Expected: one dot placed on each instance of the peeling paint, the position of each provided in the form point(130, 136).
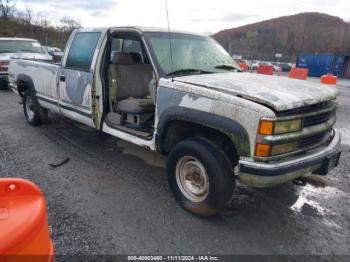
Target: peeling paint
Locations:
point(242, 111)
point(77, 87)
point(43, 75)
point(284, 94)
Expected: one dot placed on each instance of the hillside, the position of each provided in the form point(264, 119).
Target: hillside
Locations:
point(290, 35)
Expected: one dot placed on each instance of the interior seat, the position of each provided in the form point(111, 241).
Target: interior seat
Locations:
point(136, 106)
point(132, 84)
point(137, 57)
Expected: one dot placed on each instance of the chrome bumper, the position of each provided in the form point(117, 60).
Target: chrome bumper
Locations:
point(259, 174)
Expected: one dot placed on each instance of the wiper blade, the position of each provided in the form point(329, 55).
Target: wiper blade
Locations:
point(30, 51)
point(6, 51)
point(227, 67)
point(188, 71)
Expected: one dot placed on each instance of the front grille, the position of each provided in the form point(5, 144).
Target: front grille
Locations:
point(314, 120)
point(318, 119)
point(317, 129)
point(312, 140)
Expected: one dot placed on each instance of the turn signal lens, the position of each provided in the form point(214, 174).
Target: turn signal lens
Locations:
point(266, 127)
point(262, 150)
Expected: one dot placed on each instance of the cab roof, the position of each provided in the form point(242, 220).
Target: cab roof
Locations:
point(140, 29)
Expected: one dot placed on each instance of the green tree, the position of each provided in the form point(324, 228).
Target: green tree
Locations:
point(251, 37)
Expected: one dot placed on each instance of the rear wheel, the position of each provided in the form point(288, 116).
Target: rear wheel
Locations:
point(200, 175)
point(32, 109)
point(3, 85)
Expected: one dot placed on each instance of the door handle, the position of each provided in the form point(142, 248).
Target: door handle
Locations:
point(62, 79)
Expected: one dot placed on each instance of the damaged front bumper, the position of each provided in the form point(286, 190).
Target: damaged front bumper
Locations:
point(261, 175)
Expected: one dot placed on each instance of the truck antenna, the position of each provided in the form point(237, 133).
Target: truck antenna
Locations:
point(170, 44)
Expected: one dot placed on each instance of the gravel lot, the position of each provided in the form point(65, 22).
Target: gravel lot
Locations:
point(112, 197)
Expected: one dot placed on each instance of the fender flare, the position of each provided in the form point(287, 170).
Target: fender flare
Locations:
point(231, 128)
point(22, 78)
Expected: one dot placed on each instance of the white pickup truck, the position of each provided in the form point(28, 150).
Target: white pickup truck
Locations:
point(18, 48)
point(215, 123)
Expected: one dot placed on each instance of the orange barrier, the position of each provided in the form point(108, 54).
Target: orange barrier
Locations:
point(299, 73)
point(243, 66)
point(265, 69)
point(329, 79)
point(23, 222)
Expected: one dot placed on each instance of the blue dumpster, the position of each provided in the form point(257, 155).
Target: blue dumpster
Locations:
point(320, 65)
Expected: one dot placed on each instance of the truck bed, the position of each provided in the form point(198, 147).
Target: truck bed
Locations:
point(42, 75)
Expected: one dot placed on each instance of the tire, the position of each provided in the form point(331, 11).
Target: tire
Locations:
point(32, 109)
point(207, 166)
point(3, 85)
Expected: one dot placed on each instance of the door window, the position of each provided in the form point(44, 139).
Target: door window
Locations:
point(133, 47)
point(82, 51)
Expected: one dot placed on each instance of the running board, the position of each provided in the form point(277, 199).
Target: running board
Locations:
point(141, 134)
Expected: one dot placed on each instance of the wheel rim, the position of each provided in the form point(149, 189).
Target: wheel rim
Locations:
point(192, 179)
point(30, 108)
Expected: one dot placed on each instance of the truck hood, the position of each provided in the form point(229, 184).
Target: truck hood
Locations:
point(36, 56)
point(280, 93)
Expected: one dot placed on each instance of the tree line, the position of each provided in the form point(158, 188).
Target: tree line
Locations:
point(306, 33)
point(27, 24)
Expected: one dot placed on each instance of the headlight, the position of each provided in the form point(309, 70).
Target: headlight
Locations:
point(268, 127)
point(288, 126)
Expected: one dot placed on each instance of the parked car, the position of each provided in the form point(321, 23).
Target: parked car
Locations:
point(285, 67)
point(276, 66)
point(55, 52)
point(255, 65)
point(18, 48)
point(213, 122)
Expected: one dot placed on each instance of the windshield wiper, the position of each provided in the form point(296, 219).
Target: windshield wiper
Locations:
point(188, 71)
point(29, 51)
point(6, 51)
point(227, 67)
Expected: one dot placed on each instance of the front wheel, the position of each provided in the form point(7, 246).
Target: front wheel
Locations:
point(201, 177)
point(32, 109)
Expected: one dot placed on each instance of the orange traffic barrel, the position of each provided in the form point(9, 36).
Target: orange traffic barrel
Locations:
point(24, 232)
point(299, 73)
point(243, 66)
point(329, 79)
point(265, 69)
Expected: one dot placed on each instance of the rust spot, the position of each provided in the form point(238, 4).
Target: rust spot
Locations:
point(316, 181)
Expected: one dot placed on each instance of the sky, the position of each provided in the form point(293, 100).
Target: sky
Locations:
point(201, 16)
